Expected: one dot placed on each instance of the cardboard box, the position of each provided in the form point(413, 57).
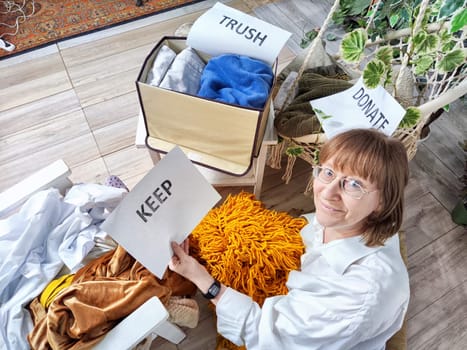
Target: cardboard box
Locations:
point(218, 135)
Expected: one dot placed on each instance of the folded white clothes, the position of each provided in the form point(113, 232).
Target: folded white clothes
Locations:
point(161, 65)
point(184, 74)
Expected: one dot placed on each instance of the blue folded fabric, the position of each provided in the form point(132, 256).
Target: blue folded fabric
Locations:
point(236, 79)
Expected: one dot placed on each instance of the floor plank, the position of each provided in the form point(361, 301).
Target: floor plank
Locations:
point(443, 131)
point(114, 110)
point(27, 115)
point(442, 325)
point(78, 151)
point(102, 90)
point(117, 136)
point(130, 164)
point(41, 136)
point(436, 269)
point(425, 222)
point(85, 73)
point(430, 168)
point(30, 82)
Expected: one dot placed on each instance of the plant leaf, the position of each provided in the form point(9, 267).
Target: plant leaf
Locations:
point(445, 48)
point(304, 43)
point(451, 61)
point(449, 7)
point(373, 73)
point(459, 21)
point(311, 34)
point(444, 36)
point(419, 38)
point(353, 45)
point(321, 114)
point(411, 117)
point(422, 64)
point(388, 78)
point(308, 37)
point(331, 37)
point(425, 43)
point(384, 54)
point(294, 151)
point(436, 6)
point(358, 7)
point(393, 20)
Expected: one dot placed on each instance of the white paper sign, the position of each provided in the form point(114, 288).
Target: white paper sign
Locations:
point(358, 107)
point(165, 206)
point(224, 30)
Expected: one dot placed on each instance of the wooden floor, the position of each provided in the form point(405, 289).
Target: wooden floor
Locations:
point(77, 101)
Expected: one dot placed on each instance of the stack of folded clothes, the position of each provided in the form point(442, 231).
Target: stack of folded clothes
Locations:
point(228, 78)
point(180, 72)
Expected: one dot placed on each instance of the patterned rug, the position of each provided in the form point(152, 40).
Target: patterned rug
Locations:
point(36, 23)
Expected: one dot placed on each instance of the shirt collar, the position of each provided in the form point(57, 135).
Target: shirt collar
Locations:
point(342, 253)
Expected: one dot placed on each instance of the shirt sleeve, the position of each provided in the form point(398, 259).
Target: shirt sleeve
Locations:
point(237, 312)
point(296, 320)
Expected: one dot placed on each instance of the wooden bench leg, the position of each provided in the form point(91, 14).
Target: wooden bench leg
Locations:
point(155, 156)
point(259, 170)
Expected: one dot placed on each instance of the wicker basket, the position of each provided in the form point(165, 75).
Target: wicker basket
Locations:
point(431, 92)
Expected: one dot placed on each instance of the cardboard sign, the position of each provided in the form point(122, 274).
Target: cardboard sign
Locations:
point(358, 107)
point(165, 206)
point(222, 30)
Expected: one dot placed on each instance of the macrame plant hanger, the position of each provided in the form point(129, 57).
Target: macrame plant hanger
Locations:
point(309, 144)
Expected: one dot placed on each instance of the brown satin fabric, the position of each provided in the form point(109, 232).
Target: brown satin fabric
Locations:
point(102, 293)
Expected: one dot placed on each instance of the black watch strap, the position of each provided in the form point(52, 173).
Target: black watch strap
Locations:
point(213, 291)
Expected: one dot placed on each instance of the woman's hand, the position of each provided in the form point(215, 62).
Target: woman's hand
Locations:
point(186, 245)
point(188, 267)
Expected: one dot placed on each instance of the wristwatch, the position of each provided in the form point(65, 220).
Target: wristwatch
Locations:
point(213, 291)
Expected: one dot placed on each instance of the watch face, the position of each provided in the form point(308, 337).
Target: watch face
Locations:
point(214, 289)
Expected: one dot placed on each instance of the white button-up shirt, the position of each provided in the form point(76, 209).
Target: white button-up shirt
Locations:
point(346, 296)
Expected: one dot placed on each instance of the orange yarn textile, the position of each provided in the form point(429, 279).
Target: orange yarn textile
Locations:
point(248, 247)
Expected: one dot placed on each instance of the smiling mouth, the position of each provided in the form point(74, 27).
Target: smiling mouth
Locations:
point(329, 208)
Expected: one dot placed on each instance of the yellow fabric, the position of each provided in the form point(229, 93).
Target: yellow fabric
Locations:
point(53, 288)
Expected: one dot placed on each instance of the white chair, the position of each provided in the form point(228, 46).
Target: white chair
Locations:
point(150, 320)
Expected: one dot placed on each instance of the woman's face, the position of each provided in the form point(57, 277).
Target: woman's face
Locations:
point(337, 210)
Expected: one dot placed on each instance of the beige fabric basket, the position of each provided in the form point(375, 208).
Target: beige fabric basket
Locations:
point(217, 135)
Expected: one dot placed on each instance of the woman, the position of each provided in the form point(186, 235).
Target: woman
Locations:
point(352, 290)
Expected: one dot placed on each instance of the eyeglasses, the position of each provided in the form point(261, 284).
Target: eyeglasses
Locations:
point(350, 186)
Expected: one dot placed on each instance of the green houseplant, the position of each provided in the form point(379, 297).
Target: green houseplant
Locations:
point(425, 53)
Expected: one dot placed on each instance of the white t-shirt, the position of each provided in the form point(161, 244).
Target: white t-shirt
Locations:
point(347, 296)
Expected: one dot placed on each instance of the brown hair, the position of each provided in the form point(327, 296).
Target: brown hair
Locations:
point(382, 160)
